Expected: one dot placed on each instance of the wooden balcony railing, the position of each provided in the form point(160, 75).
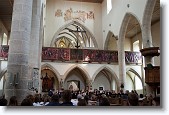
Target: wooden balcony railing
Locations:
point(81, 55)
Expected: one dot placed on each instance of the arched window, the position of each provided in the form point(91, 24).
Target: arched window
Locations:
point(109, 6)
point(136, 46)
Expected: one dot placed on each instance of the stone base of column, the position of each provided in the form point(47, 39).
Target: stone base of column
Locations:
point(19, 90)
point(19, 93)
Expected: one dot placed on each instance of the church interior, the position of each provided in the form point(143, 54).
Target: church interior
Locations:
point(102, 51)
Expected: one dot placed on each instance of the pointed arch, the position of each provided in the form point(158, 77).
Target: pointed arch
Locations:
point(109, 36)
point(107, 69)
point(51, 68)
point(133, 71)
point(71, 23)
point(121, 42)
point(84, 72)
point(124, 25)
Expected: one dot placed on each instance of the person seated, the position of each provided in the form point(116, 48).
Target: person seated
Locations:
point(132, 99)
point(13, 101)
point(156, 101)
point(82, 102)
point(66, 98)
point(104, 102)
point(3, 101)
point(54, 100)
point(27, 102)
point(37, 101)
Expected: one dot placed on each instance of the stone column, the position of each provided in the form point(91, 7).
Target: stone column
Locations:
point(146, 34)
point(18, 57)
point(34, 55)
point(122, 66)
point(40, 48)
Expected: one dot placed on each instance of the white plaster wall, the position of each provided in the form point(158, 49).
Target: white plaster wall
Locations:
point(138, 84)
point(101, 81)
point(130, 85)
point(116, 15)
point(112, 44)
point(127, 44)
point(3, 65)
point(54, 23)
point(135, 38)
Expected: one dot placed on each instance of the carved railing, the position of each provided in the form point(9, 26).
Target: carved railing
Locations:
point(152, 75)
point(81, 55)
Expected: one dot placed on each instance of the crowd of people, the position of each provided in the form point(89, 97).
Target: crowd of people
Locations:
point(83, 98)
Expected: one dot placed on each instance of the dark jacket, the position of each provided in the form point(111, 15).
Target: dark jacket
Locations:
point(53, 104)
point(67, 104)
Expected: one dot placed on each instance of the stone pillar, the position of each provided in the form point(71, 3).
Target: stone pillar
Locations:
point(18, 57)
point(34, 55)
point(40, 48)
point(122, 66)
point(146, 34)
point(146, 28)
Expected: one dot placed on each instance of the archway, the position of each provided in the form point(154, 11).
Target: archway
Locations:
point(134, 81)
point(105, 79)
point(84, 37)
point(77, 79)
point(111, 42)
point(49, 79)
point(129, 31)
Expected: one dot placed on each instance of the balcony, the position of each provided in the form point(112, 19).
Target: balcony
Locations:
point(52, 54)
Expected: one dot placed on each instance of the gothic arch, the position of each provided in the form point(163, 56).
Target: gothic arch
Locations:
point(52, 69)
point(67, 25)
point(121, 41)
point(133, 71)
point(109, 70)
point(109, 36)
point(86, 75)
point(124, 26)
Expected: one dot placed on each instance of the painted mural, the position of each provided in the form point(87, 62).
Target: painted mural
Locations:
point(70, 14)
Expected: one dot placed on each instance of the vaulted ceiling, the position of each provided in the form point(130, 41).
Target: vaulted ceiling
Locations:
point(134, 28)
